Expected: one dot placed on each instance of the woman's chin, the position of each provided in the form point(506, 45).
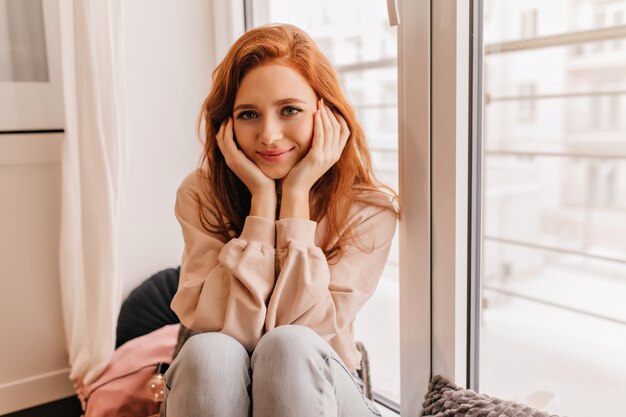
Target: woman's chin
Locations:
point(276, 173)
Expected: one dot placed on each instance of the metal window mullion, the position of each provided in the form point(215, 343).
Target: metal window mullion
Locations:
point(493, 99)
point(532, 154)
point(562, 39)
point(562, 307)
point(554, 249)
point(248, 14)
point(475, 198)
point(368, 65)
point(450, 141)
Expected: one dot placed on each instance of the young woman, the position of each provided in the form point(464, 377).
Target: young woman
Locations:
point(286, 235)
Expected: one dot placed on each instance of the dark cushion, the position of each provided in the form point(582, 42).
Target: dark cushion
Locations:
point(446, 399)
point(147, 307)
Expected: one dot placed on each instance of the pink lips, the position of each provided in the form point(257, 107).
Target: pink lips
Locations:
point(274, 155)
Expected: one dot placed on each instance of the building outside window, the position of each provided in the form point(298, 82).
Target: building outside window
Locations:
point(552, 326)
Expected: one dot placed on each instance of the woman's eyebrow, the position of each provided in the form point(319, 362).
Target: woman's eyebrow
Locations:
point(276, 103)
point(289, 100)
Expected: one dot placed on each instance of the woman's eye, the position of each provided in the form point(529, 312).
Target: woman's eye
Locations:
point(246, 115)
point(290, 111)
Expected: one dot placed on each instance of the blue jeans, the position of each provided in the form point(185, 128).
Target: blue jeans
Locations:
point(293, 372)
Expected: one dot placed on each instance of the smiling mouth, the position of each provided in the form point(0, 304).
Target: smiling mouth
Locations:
point(274, 153)
point(274, 156)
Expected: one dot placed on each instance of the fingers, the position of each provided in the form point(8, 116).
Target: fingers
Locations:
point(318, 132)
point(224, 139)
point(329, 136)
point(219, 137)
point(229, 141)
point(336, 131)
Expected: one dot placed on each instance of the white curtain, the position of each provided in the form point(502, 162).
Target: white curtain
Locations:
point(94, 162)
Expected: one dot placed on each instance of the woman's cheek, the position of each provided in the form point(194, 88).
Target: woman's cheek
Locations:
point(305, 132)
point(241, 140)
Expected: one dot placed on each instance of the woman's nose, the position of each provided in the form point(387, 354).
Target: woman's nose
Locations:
point(271, 130)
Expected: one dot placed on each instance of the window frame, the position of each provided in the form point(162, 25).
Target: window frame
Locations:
point(440, 124)
point(414, 170)
point(451, 142)
point(32, 106)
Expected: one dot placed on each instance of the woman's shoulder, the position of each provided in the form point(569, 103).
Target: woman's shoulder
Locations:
point(194, 204)
point(190, 194)
point(190, 182)
point(189, 188)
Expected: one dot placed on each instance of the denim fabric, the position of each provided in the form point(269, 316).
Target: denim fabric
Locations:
point(292, 372)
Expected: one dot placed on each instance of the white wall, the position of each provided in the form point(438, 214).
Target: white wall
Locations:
point(33, 357)
point(169, 61)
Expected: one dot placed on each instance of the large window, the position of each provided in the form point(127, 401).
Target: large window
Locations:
point(511, 156)
point(553, 327)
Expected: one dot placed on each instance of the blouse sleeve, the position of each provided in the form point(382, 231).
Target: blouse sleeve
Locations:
point(326, 297)
point(223, 287)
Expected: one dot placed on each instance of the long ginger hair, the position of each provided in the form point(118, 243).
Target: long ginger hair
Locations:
point(226, 197)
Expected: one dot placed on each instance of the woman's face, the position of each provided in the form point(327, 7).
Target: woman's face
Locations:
point(273, 118)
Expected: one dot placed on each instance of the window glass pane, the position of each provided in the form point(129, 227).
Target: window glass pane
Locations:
point(356, 37)
point(22, 41)
point(553, 319)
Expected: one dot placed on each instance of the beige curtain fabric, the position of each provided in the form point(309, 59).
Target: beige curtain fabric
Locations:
point(93, 172)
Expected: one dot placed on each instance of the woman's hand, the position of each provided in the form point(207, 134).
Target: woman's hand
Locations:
point(247, 171)
point(330, 135)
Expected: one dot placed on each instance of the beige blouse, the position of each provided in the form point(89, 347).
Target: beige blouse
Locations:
point(275, 273)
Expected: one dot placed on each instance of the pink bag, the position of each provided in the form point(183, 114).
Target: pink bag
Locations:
point(132, 383)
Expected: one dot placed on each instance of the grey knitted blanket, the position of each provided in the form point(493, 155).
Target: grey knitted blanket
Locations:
point(445, 399)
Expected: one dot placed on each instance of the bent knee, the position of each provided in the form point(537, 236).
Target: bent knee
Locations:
point(288, 352)
point(212, 346)
point(211, 360)
point(288, 340)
